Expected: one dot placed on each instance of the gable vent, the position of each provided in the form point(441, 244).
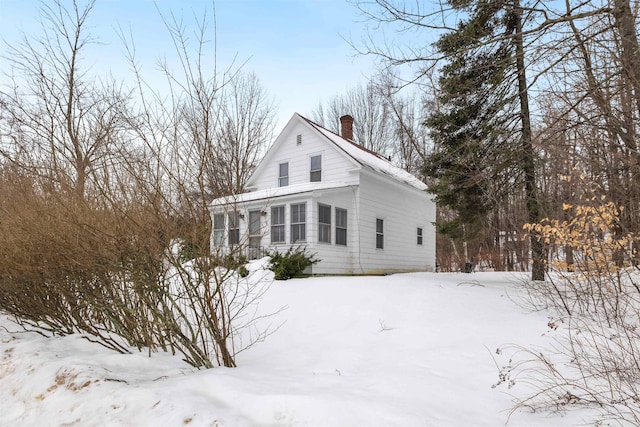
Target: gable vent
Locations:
point(299, 139)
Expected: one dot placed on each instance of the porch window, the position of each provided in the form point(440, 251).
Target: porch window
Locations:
point(419, 235)
point(341, 226)
point(234, 228)
point(277, 224)
point(283, 174)
point(316, 169)
point(379, 233)
point(298, 223)
point(324, 223)
point(218, 229)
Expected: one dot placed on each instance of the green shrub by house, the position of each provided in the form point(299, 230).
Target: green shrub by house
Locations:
point(290, 264)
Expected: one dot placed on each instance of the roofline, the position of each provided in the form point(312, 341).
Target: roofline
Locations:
point(288, 192)
point(395, 181)
point(331, 137)
point(265, 159)
point(363, 148)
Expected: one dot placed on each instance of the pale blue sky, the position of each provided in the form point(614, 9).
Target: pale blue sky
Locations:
point(295, 47)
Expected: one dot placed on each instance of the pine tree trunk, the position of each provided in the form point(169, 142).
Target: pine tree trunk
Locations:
point(629, 43)
point(528, 154)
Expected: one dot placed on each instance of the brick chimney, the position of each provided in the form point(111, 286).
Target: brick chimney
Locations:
point(346, 123)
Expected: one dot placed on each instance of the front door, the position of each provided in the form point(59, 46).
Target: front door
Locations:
point(255, 235)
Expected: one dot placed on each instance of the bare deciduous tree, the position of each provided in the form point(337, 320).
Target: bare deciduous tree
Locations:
point(114, 243)
point(60, 120)
point(245, 130)
point(372, 125)
point(200, 142)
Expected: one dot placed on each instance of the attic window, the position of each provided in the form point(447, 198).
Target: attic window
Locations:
point(299, 139)
point(283, 174)
point(315, 174)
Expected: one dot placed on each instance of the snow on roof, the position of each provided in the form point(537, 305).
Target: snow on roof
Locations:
point(269, 193)
point(369, 158)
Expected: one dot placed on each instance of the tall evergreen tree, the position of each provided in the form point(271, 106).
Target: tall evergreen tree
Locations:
point(483, 130)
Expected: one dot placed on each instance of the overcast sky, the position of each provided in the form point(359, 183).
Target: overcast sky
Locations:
point(296, 48)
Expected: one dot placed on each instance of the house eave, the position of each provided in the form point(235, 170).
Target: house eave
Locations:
point(406, 185)
point(280, 193)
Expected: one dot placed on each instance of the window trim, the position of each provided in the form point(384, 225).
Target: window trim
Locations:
point(219, 232)
point(341, 227)
point(283, 180)
point(233, 219)
point(279, 225)
point(324, 226)
point(313, 172)
point(298, 225)
point(379, 233)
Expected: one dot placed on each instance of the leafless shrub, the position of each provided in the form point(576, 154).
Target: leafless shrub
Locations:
point(594, 360)
point(113, 242)
point(120, 276)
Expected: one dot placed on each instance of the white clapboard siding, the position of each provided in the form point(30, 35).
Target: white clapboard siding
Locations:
point(336, 167)
point(404, 210)
point(363, 183)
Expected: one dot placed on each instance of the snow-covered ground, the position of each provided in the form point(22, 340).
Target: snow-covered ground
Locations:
point(401, 350)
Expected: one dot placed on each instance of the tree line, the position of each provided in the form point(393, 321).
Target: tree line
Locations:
point(508, 110)
point(534, 120)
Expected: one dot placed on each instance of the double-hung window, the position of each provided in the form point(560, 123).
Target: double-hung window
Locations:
point(324, 223)
point(419, 236)
point(379, 233)
point(316, 169)
point(277, 224)
point(218, 229)
point(341, 226)
point(283, 174)
point(298, 223)
point(234, 228)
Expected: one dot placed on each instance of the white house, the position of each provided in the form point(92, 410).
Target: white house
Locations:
point(351, 207)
